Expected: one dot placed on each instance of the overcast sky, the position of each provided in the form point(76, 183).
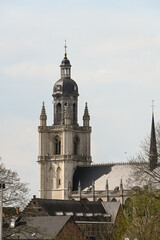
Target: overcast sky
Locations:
point(114, 49)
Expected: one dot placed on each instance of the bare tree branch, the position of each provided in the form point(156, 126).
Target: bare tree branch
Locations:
point(15, 193)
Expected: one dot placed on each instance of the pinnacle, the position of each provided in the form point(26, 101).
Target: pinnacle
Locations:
point(86, 112)
point(43, 111)
point(43, 115)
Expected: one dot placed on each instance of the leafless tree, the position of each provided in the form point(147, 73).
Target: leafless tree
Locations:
point(15, 193)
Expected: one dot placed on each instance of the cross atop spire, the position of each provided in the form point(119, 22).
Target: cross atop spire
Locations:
point(65, 46)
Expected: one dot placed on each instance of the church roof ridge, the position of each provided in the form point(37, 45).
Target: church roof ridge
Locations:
point(108, 164)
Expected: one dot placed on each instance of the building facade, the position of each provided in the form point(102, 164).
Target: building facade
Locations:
point(64, 145)
point(65, 169)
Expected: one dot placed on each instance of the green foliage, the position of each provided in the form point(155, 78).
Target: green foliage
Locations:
point(120, 226)
point(143, 215)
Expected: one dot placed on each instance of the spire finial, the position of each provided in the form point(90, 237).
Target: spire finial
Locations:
point(65, 46)
point(43, 116)
point(86, 113)
point(43, 111)
point(152, 106)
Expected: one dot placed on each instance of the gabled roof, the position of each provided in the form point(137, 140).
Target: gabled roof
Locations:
point(79, 210)
point(39, 227)
point(112, 208)
point(51, 207)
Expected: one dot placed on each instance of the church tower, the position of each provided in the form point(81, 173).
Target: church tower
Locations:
point(64, 145)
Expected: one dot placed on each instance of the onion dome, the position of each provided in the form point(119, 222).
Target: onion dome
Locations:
point(65, 86)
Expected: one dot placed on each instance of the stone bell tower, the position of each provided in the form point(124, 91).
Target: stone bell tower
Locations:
point(64, 145)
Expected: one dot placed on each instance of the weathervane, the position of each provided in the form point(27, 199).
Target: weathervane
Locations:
point(65, 48)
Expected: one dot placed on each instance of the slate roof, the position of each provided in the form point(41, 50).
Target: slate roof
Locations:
point(68, 86)
point(66, 206)
point(112, 208)
point(99, 174)
point(48, 226)
point(79, 210)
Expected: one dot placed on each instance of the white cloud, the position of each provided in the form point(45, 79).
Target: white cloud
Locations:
point(19, 147)
point(6, 44)
point(30, 70)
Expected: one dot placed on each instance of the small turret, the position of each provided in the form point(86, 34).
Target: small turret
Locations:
point(121, 191)
point(65, 65)
point(93, 190)
point(86, 117)
point(43, 116)
point(107, 190)
point(153, 156)
point(121, 185)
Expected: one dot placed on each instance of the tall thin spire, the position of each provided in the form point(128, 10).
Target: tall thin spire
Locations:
point(153, 156)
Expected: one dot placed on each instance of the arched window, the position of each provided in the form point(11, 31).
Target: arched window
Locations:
point(113, 200)
point(65, 107)
point(75, 145)
point(58, 113)
point(59, 183)
point(57, 146)
point(100, 200)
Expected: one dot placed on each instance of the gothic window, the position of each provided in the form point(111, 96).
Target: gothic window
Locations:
point(65, 106)
point(57, 142)
point(100, 200)
point(59, 177)
point(59, 113)
point(75, 145)
point(113, 200)
point(74, 112)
